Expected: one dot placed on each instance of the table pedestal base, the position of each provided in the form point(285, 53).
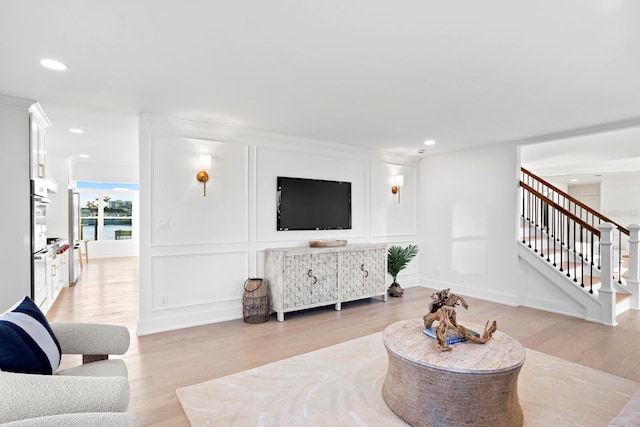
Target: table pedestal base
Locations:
point(473, 384)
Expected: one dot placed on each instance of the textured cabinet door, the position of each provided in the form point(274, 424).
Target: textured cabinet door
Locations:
point(310, 279)
point(375, 266)
point(362, 272)
point(352, 273)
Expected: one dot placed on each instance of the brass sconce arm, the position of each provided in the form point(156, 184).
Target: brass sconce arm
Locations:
point(203, 175)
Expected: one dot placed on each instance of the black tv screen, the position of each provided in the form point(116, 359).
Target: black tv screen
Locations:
point(313, 204)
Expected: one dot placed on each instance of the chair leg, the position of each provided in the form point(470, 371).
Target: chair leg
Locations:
point(88, 358)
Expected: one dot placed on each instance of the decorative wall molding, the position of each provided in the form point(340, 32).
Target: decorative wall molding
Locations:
point(584, 131)
point(221, 216)
point(388, 217)
point(197, 279)
point(192, 273)
point(192, 129)
point(14, 103)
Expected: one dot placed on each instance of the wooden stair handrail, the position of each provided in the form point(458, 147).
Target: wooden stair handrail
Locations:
point(573, 200)
point(571, 215)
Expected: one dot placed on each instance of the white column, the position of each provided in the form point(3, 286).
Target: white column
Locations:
point(633, 282)
point(606, 293)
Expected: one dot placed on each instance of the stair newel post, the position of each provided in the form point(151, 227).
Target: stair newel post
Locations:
point(633, 282)
point(606, 293)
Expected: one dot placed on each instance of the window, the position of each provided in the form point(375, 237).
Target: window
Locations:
point(89, 207)
point(106, 210)
point(117, 215)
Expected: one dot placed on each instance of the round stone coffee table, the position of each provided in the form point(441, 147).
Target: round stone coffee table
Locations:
point(473, 384)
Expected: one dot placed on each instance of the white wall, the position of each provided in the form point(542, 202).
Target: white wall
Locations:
point(467, 222)
point(621, 198)
point(468, 225)
point(94, 170)
point(15, 225)
point(58, 212)
point(621, 202)
point(589, 194)
point(196, 252)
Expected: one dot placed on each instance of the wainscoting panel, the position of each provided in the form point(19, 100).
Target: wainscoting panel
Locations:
point(189, 280)
point(181, 214)
point(390, 215)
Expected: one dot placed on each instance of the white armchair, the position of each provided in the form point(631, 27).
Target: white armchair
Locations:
point(100, 385)
point(96, 419)
point(95, 342)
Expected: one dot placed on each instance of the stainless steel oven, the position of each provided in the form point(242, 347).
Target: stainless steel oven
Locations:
point(39, 250)
point(38, 216)
point(39, 223)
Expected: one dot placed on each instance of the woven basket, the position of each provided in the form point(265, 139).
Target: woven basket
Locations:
point(255, 301)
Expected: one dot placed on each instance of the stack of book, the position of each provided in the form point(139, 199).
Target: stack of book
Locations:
point(451, 335)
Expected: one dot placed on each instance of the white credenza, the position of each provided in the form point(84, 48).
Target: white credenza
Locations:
point(300, 278)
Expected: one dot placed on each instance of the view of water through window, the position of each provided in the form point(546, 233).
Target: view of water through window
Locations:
point(106, 210)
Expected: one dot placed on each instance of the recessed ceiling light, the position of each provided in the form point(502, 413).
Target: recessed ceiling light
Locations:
point(52, 64)
point(76, 130)
point(574, 180)
point(85, 156)
point(430, 142)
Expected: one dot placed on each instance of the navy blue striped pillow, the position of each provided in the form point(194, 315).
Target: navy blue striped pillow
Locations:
point(27, 343)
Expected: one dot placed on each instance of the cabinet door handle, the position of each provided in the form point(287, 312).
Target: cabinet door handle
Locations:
point(310, 274)
point(366, 273)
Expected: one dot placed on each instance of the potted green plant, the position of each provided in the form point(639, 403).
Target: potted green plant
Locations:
point(397, 260)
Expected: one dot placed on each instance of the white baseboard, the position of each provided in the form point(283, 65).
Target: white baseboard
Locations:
point(189, 320)
point(497, 297)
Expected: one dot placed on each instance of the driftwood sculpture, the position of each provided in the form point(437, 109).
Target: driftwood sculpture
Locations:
point(442, 309)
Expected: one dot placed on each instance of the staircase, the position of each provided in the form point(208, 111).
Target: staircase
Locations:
point(578, 250)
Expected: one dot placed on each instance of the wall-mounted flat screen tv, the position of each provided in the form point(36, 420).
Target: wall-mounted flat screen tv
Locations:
point(313, 204)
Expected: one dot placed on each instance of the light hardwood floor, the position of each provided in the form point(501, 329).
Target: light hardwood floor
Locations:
point(107, 292)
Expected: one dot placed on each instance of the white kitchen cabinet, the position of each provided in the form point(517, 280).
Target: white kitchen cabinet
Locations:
point(57, 275)
point(62, 273)
point(51, 268)
point(38, 141)
point(300, 278)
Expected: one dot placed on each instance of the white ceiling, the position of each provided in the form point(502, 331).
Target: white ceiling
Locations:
point(585, 159)
point(373, 73)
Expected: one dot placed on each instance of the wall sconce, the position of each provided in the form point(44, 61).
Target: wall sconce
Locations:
point(203, 176)
point(398, 181)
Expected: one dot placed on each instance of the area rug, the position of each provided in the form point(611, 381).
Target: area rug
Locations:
point(341, 385)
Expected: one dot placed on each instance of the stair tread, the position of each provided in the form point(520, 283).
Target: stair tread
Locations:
point(621, 297)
